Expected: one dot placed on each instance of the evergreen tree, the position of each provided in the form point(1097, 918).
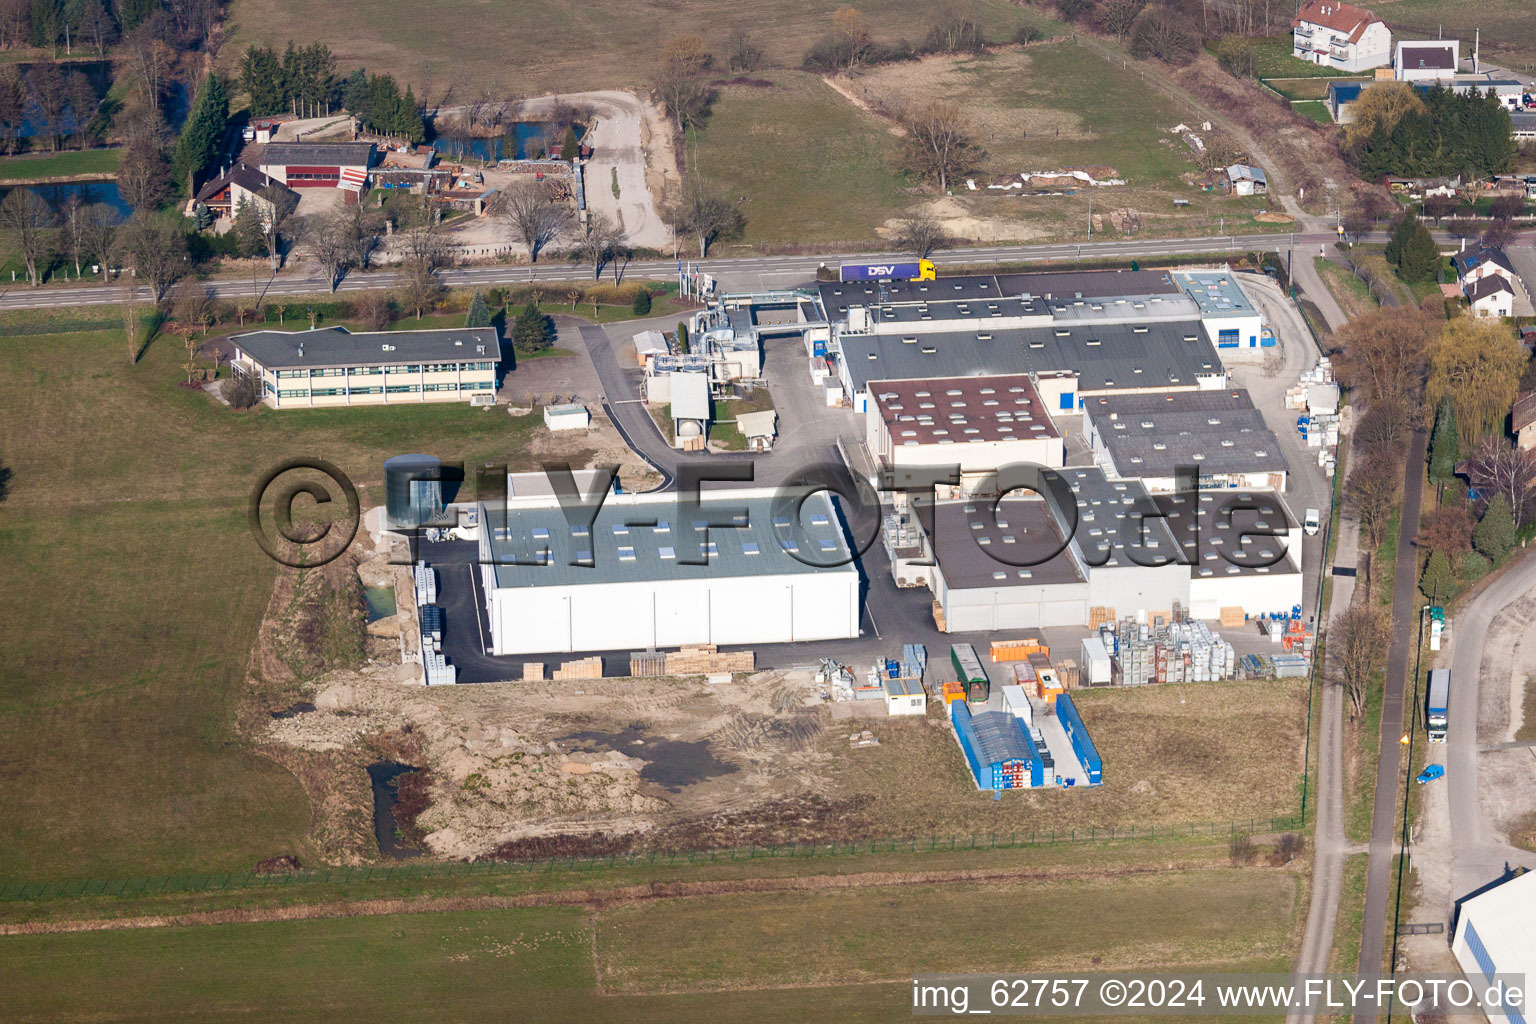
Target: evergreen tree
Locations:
point(249, 230)
point(354, 93)
point(531, 330)
point(682, 337)
point(133, 13)
point(642, 304)
point(478, 315)
point(202, 137)
point(410, 123)
point(1438, 581)
point(261, 76)
point(570, 149)
point(1444, 444)
point(1400, 232)
point(1495, 534)
point(1421, 258)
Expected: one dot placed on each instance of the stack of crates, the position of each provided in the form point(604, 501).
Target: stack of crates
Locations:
point(439, 672)
point(431, 627)
point(426, 584)
point(952, 692)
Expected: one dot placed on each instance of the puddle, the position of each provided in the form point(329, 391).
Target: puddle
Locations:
point(381, 602)
point(294, 710)
point(384, 775)
point(671, 764)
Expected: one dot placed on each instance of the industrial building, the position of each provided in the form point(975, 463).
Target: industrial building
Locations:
point(1022, 564)
point(1077, 333)
point(1231, 322)
point(977, 423)
point(332, 366)
point(997, 747)
point(1218, 434)
point(650, 572)
point(1496, 934)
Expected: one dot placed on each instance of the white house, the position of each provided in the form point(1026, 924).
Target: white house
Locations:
point(1340, 36)
point(1485, 261)
point(1490, 297)
point(1426, 60)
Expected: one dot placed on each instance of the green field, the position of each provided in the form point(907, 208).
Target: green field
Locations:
point(1508, 30)
point(811, 166)
point(816, 954)
point(1275, 60)
point(560, 47)
point(1315, 109)
point(33, 167)
point(133, 595)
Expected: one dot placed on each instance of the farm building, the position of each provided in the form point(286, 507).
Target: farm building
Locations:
point(649, 572)
point(1340, 35)
point(1244, 180)
point(1217, 434)
point(332, 366)
point(341, 165)
point(977, 423)
point(997, 747)
point(1496, 934)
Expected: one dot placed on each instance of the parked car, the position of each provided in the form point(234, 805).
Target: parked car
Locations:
point(1430, 773)
point(1312, 521)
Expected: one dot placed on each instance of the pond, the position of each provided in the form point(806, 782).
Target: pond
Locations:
point(526, 140)
point(381, 602)
point(671, 764)
point(385, 779)
point(103, 191)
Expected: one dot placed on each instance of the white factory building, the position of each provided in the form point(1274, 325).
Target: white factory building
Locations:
point(1009, 565)
point(649, 572)
point(979, 424)
point(1496, 934)
point(1153, 437)
point(1230, 320)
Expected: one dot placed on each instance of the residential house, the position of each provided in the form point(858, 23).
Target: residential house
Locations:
point(240, 184)
point(1491, 296)
point(1428, 60)
point(1341, 36)
point(1484, 261)
point(1247, 181)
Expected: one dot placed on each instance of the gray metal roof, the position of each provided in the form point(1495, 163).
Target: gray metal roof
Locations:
point(962, 409)
point(1486, 286)
point(1222, 544)
point(996, 736)
point(982, 544)
point(1217, 293)
point(1217, 432)
point(1113, 516)
point(336, 346)
point(1006, 290)
point(317, 154)
point(1104, 356)
point(639, 538)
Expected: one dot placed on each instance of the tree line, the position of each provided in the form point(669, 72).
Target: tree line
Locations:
point(1397, 130)
point(47, 101)
point(303, 81)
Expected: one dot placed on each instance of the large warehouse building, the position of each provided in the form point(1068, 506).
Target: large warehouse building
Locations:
point(1496, 934)
point(341, 165)
point(650, 572)
point(1217, 433)
point(977, 423)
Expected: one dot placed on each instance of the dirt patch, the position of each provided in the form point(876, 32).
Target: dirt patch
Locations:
point(962, 221)
point(857, 93)
point(1268, 217)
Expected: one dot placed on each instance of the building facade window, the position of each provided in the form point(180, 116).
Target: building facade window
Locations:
point(293, 393)
point(401, 389)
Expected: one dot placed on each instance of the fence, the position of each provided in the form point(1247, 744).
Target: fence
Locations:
point(13, 891)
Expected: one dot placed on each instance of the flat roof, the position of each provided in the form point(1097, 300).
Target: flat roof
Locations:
point(302, 154)
point(1224, 549)
point(962, 409)
point(1154, 435)
point(641, 537)
point(1089, 284)
point(1104, 356)
point(1103, 507)
point(982, 544)
point(1217, 293)
point(336, 346)
point(1007, 290)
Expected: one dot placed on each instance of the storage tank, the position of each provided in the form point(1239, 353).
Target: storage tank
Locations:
point(413, 490)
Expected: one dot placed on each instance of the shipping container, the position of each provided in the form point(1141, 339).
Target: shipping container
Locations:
point(917, 270)
point(1095, 661)
point(1082, 745)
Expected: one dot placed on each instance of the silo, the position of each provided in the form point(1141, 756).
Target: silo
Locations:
point(413, 490)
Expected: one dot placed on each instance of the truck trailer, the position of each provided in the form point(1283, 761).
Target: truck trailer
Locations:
point(919, 270)
point(972, 676)
point(1437, 709)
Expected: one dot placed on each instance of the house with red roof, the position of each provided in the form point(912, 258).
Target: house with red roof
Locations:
point(1340, 36)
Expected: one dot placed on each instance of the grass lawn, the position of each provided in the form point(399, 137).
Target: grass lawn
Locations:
point(724, 431)
point(50, 165)
point(1527, 730)
point(134, 594)
point(1352, 294)
point(1344, 957)
point(427, 43)
point(1317, 110)
point(1275, 60)
point(814, 168)
point(1173, 755)
point(1508, 30)
point(823, 954)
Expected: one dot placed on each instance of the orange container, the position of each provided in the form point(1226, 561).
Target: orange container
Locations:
point(1016, 650)
point(953, 692)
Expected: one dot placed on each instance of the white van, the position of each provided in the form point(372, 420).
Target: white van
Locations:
point(1310, 524)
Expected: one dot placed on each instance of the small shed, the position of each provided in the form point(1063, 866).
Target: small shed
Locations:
point(904, 696)
point(998, 749)
point(648, 344)
point(567, 417)
point(1247, 181)
point(759, 428)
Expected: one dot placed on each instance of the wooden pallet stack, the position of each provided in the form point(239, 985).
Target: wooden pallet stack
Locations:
point(533, 671)
point(1099, 614)
point(938, 617)
point(586, 668)
point(1233, 616)
point(647, 663)
point(705, 659)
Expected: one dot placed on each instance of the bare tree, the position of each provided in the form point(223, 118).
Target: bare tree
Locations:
point(29, 223)
point(328, 239)
point(919, 232)
point(954, 27)
point(421, 290)
point(602, 238)
point(1117, 16)
point(275, 212)
point(1372, 495)
point(143, 178)
point(706, 212)
point(150, 61)
point(939, 142)
point(422, 241)
point(374, 309)
point(156, 249)
point(131, 326)
point(98, 227)
point(366, 230)
point(530, 215)
point(1499, 466)
point(741, 52)
point(1357, 644)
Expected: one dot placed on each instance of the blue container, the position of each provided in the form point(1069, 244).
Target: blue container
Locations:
point(1082, 745)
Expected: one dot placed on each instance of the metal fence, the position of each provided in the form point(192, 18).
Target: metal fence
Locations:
point(13, 891)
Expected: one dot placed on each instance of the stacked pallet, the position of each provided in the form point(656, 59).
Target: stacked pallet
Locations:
point(533, 671)
point(938, 617)
point(647, 663)
point(1099, 615)
point(1232, 616)
point(704, 659)
point(1017, 650)
point(1068, 672)
point(586, 668)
